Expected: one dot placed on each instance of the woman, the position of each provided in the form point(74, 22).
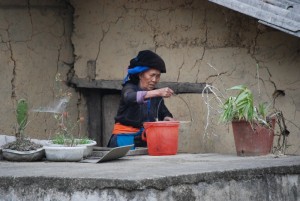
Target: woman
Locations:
point(140, 101)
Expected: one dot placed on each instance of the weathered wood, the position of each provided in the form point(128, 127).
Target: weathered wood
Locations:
point(183, 87)
point(282, 15)
point(94, 105)
point(91, 69)
point(97, 84)
point(179, 88)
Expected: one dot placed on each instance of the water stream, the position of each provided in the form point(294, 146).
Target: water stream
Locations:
point(58, 106)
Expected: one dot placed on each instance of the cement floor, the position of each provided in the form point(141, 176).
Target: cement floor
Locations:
point(145, 167)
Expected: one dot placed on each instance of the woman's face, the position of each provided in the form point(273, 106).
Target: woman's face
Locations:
point(149, 79)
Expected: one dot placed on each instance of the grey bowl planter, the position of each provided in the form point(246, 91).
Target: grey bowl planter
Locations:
point(23, 156)
point(87, 151)
point(63, 153)
point(88, 148)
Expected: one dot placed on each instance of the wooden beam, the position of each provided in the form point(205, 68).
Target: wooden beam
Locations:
point(178, 87)
point(97, 84)
point(183, 87)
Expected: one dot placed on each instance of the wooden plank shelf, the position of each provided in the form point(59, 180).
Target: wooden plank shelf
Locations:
point(116, 85)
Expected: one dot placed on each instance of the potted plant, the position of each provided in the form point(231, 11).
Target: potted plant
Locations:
point(22, 149)
point(65, 146)
point(68, 140)
point(253, 129)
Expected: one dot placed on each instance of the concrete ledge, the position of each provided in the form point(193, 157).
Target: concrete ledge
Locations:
point(179, 177)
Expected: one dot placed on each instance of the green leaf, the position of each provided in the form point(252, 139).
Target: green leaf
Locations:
point(22, 113)
point(238, 87)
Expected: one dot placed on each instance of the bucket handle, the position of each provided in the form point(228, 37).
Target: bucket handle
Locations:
point(144, 138)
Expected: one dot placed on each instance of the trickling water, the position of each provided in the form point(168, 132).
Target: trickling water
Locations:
point(57, 106)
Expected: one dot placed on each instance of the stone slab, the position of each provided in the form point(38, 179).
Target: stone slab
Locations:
point(143, 177)
point(150, 168)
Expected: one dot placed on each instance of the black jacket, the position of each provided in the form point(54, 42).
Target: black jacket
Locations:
point(131, 113)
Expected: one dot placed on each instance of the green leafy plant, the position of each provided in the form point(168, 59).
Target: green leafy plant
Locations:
point(64, 139)
point(22, 117)
point(84, 140)
point(241, 107)
point(69, 140)
point(22, 143)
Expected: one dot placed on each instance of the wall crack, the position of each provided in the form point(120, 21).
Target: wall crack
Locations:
point(204, 43)
point(179, 71)
point(14, 72)
point(103, 36)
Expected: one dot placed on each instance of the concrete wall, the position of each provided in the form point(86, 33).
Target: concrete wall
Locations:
point(198, 41)
point(267, 187)
point(35, 45)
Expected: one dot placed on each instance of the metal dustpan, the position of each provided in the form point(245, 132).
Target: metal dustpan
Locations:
point(112, 154)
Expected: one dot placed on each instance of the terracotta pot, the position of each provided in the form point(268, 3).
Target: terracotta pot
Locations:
point(252, 140)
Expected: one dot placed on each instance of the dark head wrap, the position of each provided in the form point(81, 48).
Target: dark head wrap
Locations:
point(149, 59)
point(143, 61)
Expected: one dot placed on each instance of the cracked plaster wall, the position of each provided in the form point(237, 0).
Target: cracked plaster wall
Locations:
point(35, 44)
point(198, 40)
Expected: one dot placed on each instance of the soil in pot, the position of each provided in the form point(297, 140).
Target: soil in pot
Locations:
point(23, 151)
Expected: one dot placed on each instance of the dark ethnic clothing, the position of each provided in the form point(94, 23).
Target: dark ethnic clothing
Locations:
point(132, 113)
point(134, 110)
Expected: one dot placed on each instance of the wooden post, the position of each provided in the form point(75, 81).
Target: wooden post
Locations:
point(94, 105)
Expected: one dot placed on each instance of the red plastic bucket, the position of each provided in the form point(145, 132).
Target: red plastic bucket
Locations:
point(162, 137)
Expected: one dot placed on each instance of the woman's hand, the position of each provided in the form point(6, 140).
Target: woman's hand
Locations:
point(169, 119)
point(165, 92)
